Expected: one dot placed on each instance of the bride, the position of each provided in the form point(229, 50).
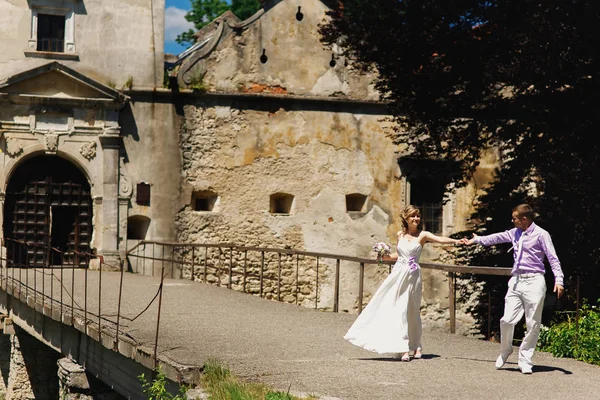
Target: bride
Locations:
point(391, 322)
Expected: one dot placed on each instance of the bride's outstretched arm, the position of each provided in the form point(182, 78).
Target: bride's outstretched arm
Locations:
point(391, 257)
point(430, 237)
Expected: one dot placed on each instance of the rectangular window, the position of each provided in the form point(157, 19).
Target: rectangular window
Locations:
point(51, 33)
point(143, 194)
point(428, 180)
point(429, 199)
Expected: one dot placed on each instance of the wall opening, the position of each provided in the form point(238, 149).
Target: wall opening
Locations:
point(142, 194)
point(281, 203)
point(204, 200)
point(356, 202)
point(137, 227)
point(428, 182)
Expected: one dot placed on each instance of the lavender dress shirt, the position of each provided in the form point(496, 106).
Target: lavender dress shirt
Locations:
point(529, 247)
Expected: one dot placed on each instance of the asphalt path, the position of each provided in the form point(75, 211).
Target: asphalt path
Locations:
point(302, 350)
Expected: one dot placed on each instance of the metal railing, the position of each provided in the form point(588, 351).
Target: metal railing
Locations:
point(73, 294)
point(51, 45)
point(255, 269)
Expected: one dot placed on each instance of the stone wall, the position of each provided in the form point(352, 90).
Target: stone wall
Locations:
point(32, 369)
point(245, 156)
point(285, 114)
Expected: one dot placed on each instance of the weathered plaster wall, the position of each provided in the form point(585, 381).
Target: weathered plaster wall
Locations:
point(297, 62)
point(244, 152)
point(245, 155)
point(152, 155)
point(131, 31)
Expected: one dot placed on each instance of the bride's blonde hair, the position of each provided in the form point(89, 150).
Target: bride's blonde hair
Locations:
point(408, 211)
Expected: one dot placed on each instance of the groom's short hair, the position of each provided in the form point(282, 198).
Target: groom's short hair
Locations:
point(524, 210)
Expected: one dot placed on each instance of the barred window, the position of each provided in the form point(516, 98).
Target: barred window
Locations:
point(51, 33)
point(428, 180)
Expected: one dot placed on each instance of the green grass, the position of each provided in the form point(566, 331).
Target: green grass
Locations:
point(221, 384)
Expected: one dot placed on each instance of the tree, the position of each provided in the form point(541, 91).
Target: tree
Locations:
point(518, 76)
point(204, 11)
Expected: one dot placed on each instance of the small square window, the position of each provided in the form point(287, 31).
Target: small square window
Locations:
point(356, 202)
point(204, 200)
point(281, 203)
point(51, 33)
point(143, 194)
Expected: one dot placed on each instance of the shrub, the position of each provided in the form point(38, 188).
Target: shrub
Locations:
point(156, 389)
point(577, 338)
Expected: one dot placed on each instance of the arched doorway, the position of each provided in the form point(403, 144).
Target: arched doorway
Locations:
point(48, 205)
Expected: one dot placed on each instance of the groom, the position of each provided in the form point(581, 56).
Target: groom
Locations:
point(527, 286)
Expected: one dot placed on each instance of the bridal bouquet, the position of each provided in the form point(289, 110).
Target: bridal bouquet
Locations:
point(381, 249)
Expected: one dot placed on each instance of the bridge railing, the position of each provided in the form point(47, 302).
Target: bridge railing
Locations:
point(68, 287)
point(61, 285)
point(306, 278)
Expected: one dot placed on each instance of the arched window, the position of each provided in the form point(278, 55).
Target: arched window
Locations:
point(137, 227)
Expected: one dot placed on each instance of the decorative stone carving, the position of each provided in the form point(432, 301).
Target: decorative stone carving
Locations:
point(125, 188)
point(14, 147)
point(51, 142)
point(88, 150)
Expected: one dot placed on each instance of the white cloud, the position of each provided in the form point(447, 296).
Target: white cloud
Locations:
point(175, 23)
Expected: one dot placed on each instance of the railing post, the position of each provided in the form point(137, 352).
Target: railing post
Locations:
point(317, 286)
point(245, 271)
point(336, 288)
point(173, 249)
point(489, 313)
point(119, 307)
point(297, 276)
point(577, 315)
point(85, 295)
point(192, 274)
point(262, 269)
point(361, 278)
point(160, 293)
point(205, 262)
point(452, 300)
point(99, 298)
point(230, 267)
point(279, 277)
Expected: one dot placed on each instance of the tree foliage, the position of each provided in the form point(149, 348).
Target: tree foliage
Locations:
point(517, 76)
point(204, 11)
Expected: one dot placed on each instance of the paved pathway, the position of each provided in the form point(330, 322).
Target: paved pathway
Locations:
point(302, 349)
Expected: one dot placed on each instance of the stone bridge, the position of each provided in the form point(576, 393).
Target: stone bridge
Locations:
point(111, 326)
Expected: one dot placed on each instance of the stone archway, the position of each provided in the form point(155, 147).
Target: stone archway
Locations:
point(48, 205)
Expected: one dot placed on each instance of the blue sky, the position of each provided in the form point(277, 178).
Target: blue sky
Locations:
point(175, 23)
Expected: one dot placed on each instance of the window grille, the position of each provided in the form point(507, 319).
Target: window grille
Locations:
point(51, 33)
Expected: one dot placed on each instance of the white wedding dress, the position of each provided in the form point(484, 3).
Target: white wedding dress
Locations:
point(391, 322)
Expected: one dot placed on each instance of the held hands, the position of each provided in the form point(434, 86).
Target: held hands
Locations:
point(465, 241)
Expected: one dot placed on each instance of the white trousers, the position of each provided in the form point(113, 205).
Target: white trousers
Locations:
point(525, 296)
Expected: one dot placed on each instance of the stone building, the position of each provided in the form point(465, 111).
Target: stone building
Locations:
point(289, 147)
point(73, 147)
point(268, 137)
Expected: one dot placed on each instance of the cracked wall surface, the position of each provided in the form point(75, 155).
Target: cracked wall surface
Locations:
point(300, 121)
